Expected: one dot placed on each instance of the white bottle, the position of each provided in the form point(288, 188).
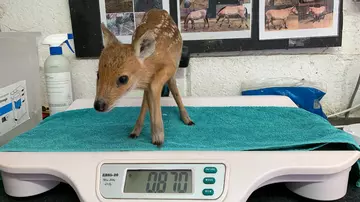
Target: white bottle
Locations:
point(58, 74)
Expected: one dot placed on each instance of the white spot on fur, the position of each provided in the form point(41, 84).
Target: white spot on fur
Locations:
point(162, 20)
point(156, 31)
point(169, 34)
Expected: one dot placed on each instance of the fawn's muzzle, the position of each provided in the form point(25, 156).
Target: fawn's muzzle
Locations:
point(100, 105)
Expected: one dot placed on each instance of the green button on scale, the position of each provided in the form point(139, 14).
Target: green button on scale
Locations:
point(209, 180)
point(208, 192)
point(210, 170)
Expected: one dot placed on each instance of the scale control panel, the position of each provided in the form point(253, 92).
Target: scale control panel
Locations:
point(161, 181)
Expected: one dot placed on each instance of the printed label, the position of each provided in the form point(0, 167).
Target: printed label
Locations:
point(110, 179)
point(13, 106)
point(317, 104)
point(59, 91)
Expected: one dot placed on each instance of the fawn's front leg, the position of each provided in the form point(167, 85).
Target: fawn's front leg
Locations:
point(175, 92)
point(140, 121)
point(153, 101)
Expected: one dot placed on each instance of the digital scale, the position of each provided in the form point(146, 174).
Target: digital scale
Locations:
point(179, 175)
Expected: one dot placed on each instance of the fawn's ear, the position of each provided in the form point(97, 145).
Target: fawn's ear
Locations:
point(109, 38)
point(145, 46)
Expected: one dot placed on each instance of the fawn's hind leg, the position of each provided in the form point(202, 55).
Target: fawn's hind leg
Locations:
point(175, 92)
point(140, 121)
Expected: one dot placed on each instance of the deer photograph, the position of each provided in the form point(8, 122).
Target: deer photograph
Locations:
point(298, 14)
point(123, 16)
point(116, 6)
point(121, 24)
point(281, 15)
point(234, 12)
point(199, 16)
point(194, 16)
point(317, 14)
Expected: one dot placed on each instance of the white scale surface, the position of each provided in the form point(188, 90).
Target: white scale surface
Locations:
point(100, 176)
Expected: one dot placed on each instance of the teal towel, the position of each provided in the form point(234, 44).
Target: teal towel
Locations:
point(216, 128)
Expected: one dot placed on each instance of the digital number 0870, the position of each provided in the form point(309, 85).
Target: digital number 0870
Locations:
point(156, 182)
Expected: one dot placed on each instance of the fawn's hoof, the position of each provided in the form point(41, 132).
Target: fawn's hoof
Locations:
point(133, 136)
point(157, 143)
point(191, 123)
point(158, 139)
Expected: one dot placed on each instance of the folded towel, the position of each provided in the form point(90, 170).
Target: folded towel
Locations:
point(216, 128)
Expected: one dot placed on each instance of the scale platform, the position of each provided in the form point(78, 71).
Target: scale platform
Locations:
point(179, 175)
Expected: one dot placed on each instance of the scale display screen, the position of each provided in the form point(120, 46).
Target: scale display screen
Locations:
point(158, 181)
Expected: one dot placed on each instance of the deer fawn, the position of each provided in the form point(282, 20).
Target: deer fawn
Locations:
point(148, 63)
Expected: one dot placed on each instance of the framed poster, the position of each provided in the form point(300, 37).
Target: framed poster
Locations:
point(214, 19)
point(202, 34)
point(284, 19)
point(122, 16)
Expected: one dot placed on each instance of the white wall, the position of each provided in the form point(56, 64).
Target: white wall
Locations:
point(338, 67)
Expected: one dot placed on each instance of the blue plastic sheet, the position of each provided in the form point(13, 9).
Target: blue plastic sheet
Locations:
point(304, 95)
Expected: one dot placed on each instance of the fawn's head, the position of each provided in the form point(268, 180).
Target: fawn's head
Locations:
point(120, 68)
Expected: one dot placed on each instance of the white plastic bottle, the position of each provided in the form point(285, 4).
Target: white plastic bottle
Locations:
point(58, 74)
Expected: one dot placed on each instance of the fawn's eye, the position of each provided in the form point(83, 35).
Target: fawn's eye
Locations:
point(123, 80)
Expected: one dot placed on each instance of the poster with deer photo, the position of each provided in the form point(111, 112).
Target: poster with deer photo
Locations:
point(283, 19)
point(121, 17)
point(214, 19)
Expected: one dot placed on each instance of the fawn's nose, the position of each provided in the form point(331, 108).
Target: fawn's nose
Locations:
point(100, 105)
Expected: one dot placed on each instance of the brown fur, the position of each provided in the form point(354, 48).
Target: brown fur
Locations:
point(149, 62)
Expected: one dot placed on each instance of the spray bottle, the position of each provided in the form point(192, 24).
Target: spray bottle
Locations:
point(58, 74)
